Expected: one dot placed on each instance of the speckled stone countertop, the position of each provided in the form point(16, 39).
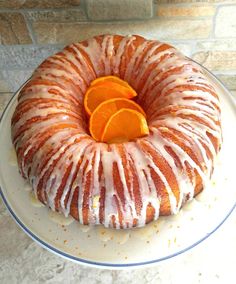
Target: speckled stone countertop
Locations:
point(24, 261)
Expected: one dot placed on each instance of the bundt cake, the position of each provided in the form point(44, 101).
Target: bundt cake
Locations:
point(120, 185)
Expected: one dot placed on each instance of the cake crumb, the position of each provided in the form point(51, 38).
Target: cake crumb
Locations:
point(164, 129)
point(96, 199)
point(65, 242)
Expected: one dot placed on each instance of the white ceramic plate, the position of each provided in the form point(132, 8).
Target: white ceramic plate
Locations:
point(160, 240)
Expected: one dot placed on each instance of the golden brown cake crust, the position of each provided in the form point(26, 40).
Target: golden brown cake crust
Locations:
point(118, 185)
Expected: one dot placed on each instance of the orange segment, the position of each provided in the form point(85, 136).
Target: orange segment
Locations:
point(105, 110)
point(97, 94)
point(125, 125)
point(113, 79)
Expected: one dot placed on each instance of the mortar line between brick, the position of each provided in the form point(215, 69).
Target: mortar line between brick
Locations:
point(83, 4)
point(118, 21)
point(20, 68)
point(61, 45)
point(153, 11)
point(184, 18)
point(185, 4)
point(213, 32)
point(197, 4)
point(189, 41)
point(133, 21)
point(21, 10)
point(208, 39)
point(29, 27)
point(79, 21)
point(87, 20)
point(33, 45)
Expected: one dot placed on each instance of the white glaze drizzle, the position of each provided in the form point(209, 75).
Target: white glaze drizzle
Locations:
point(60, 219)
point(75, 148)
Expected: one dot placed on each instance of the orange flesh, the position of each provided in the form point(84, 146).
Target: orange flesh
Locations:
point(105, 110)
point(125, 125)
point(114, 118)
point(105, 91)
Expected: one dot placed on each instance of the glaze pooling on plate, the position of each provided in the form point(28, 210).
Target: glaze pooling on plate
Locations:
point(118, 185)
point(60, 219)
point(34, 201)
point(172, 235)
point(200, 205)
point(12, 157)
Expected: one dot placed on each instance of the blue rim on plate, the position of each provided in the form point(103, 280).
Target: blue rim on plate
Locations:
point(104, 264)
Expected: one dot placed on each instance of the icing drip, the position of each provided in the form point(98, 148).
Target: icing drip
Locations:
point(34, 201)
point(117, 185)
point(12, 158)
point(60, 219)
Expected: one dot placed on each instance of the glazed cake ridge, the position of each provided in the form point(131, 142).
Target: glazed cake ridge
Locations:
point(118, 185)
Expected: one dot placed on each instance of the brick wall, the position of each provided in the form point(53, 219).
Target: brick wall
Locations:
point(31, 30)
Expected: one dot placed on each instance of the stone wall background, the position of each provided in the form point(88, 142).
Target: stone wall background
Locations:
point(31, 30)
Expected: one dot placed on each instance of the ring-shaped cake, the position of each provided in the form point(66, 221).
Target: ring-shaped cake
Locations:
point(120, 185)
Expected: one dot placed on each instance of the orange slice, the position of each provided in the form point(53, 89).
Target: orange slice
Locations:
point(108, 90)
point(105, 110)
point(124, 125)
point(113, 79)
